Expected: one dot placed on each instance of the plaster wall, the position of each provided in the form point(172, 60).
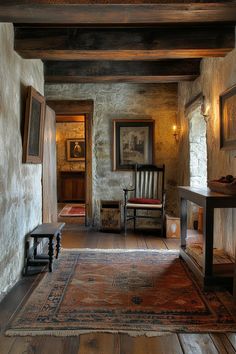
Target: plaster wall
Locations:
point(217, 75)
point(132, 101)
point(20, 184)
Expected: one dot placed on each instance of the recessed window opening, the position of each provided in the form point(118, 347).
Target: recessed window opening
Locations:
point(198, 150)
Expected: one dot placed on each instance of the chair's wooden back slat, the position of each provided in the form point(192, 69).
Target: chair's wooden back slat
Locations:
point(149, 181)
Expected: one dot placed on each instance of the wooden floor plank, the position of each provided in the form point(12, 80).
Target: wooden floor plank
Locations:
point(91, 240)
point(163, 344)
point(73, 239)
point(197, 344)
point(119, 241)
point(99, 343)
point(6, 344)
point(154, 242)
point(106, 241)
point(10, 303)
point(222, 343)
point(232, 338)
point(172, 243)
point(131, 241)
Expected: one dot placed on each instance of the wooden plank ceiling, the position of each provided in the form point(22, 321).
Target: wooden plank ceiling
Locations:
point(121, 40)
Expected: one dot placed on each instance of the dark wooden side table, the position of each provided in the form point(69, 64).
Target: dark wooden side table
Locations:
point(50, 231)
point(209, 200)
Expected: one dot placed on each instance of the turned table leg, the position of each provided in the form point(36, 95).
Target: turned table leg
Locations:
point(50, 252)
point(58, 244)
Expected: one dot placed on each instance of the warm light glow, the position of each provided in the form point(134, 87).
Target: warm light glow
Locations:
point(176, 132)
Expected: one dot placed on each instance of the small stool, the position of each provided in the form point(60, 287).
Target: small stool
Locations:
point(49, 231)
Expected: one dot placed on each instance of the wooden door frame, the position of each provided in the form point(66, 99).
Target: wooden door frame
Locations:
point(76, 108)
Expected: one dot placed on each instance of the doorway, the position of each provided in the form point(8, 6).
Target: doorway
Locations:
point(71, 172)
point(74, 154)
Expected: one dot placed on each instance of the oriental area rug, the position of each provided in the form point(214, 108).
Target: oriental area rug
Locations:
point(134, 291)
point(73, 210)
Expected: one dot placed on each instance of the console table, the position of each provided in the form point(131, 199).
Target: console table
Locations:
point(209, 200)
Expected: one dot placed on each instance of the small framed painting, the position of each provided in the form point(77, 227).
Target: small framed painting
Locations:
point(34, 127)
point(228, 119)
point(75, 149)
point(132, 143)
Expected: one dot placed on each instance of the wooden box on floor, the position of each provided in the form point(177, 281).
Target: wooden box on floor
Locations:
point(110, 215)
point(172, 227)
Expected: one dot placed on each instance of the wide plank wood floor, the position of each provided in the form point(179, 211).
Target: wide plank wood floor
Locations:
point(105, 343)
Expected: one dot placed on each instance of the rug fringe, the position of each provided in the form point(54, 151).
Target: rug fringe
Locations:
point(118, 250)
point(73, 333)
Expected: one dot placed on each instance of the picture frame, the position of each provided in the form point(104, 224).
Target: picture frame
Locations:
point(33, 127)
point(75, 149)
point(133, 141)
point(228, 119)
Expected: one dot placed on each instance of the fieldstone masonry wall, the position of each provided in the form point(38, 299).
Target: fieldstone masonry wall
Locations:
point(217, 75)
point(20, 184)
point(111, 101)
point(68, 131)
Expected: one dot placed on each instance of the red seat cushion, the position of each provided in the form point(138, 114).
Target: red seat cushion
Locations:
point(144, 201)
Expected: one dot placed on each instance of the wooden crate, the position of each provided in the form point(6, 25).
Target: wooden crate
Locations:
point(172, 227)
point(110, 215)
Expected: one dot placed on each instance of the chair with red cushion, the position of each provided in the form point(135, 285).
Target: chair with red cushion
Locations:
point(148, 194)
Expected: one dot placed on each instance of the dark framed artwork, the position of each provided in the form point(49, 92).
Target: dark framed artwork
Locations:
point(132, 143)
point(33, 127)
point(75, 149)
point(228, 119)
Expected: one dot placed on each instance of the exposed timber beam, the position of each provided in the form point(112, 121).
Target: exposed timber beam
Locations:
point(121, 71)
point(123, 43)
point(142, 12)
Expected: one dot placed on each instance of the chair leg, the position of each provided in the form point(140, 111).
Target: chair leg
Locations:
point(163, 224)
point(134, 219)
point(125, 216)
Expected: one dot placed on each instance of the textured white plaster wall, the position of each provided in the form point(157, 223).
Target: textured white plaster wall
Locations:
point(111, 101)
point(217, 75)
point(20, 184)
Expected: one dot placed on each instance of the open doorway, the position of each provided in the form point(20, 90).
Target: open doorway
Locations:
point(74, 151)
point(71, 171)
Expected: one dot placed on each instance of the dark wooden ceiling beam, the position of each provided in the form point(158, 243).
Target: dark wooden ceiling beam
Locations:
point(123, 43)
point(127, 13)
point(121, 71)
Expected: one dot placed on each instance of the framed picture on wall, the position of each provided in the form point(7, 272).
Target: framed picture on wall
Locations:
point(132, 143)
point(228, 119)
point(75, 149)
point(33, 127)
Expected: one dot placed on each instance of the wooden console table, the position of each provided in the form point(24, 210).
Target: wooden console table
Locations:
point(209, 200)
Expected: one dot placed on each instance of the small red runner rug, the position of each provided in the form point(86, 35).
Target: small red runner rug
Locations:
point(133, 291)
point(73, 210)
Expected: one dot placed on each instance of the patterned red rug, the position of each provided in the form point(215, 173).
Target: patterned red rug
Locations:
point(144, 291)
point(73, 210)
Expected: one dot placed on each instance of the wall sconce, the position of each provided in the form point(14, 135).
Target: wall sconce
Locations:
point(176, 132)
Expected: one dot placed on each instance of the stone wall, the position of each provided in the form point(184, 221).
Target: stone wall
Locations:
point(20, 184)
point(217, 75)
point(132, 101)
point(66, 131)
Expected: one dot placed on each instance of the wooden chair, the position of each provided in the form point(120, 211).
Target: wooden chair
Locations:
point(148, 194)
